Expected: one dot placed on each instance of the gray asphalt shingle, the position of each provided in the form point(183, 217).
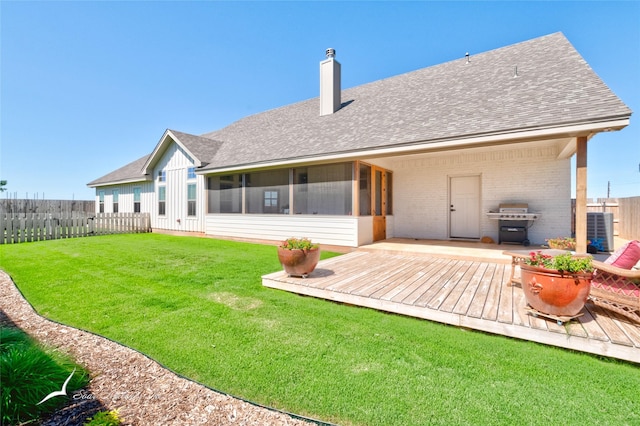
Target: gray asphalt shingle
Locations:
point(554, 87)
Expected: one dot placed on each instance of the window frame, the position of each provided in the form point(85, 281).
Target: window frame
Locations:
point(101, 195)
point(162, 200)
point(191, 201)
point(137, 195)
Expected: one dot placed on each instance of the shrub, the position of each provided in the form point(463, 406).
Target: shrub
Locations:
point(29, 372)
point(105, 418)
point(298, 243)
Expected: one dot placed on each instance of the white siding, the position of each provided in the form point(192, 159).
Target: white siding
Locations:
point(335, 230)
point(526, 173)
point(125, 197)
point(175, 162)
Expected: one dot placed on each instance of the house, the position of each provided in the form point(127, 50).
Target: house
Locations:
point(421, 155)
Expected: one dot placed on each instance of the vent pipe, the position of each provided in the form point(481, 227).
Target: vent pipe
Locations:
point(330, 84)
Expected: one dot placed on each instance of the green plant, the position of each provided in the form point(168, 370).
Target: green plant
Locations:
point(29, 372)
point(104, 418)
point(565, 262)
point(562, 243)
point(304, 244)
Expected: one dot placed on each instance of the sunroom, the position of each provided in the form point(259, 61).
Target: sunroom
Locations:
point(346, 203)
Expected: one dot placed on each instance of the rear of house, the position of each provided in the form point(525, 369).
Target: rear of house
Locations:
point(421, 155)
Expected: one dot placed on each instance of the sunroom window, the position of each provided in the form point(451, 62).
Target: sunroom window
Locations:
point(323, 189)
point(224, 194)
point(267, 192)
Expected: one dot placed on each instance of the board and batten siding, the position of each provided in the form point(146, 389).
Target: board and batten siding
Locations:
point(125, 197)
point(323, 229)
point(176, 162)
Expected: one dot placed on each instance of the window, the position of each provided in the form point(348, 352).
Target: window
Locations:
point(136, 199)
point(191, 173)
point(365, 190)
point(267, 192)
point(116, 196)
point(224, 194)
point(162, 175)
point(389, 193)
point(191, 199)
point(323, 189)
point(101, 201)
point(162, 196)
point(270, 202)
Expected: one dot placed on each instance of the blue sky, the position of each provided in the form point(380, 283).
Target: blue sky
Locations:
point(87, 87)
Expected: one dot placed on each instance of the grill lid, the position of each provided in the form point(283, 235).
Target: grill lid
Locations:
point(513, 208)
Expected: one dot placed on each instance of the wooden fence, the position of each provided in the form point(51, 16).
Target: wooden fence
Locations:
point(626, 215)
point(629, 223)
point(20, 228)
point(25, 205)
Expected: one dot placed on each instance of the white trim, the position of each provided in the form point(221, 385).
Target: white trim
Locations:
point(119, 182)
point(151, 161)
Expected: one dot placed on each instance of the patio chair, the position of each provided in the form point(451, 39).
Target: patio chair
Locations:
point(616, 284)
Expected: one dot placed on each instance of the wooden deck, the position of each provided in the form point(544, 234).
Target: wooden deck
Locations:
point(466, 293)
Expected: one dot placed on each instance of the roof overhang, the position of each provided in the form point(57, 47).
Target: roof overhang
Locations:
point(119, 182)
point(165, 141)
point(568, 132)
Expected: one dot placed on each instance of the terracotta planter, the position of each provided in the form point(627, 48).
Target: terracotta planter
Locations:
point(551, 292)
point(298, 263)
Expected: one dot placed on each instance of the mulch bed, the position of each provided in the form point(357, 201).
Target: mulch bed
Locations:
point(144, 392)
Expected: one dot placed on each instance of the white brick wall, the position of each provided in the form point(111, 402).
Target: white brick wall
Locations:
point(530, 174)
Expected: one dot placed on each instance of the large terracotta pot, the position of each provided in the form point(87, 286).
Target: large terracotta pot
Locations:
point(555, 293)
point(297, 262)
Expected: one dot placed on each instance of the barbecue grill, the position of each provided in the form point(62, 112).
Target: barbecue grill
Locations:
point(514, 221)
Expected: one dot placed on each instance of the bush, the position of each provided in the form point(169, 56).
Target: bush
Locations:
point(105, 418)
point(29, 372)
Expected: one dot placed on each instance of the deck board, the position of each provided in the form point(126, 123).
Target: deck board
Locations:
point(462, 292)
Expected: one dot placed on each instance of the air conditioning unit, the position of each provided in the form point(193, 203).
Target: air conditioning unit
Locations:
point(600, 228)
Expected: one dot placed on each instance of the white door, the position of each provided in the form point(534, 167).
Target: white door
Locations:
point(464, 206)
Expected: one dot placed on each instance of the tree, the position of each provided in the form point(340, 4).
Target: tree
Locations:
point(3, 183)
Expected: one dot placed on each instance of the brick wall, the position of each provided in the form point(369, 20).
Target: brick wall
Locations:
point(530, 174)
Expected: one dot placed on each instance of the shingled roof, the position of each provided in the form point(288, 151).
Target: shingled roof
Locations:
point(542, 83)
point(554, 87)
point(132, 172)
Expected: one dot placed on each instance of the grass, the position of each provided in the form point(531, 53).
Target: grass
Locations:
point(29, 372)
point(197, 306)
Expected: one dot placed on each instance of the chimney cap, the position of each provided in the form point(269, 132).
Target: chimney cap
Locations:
point(331, 53)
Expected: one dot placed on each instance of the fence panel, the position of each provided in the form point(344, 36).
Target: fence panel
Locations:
point(626, 215)
point(25, 205)
point(28, 227)
point(629, 218)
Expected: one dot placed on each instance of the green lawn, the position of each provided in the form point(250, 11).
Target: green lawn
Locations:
point(197, 306)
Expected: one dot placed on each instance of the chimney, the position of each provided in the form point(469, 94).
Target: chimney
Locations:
point(329, 84)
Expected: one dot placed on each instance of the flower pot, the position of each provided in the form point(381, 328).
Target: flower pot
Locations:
point(298, 262)
point(553, 292)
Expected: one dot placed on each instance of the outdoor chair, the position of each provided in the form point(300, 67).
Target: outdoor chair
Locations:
point(616, 283)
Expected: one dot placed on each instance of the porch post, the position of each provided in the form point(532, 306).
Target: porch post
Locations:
point(581, 195)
